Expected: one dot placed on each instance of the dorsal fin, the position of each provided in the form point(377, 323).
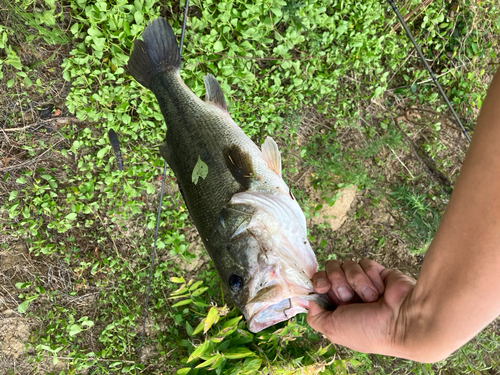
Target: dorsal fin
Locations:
point(271, 155)
point(214, 92)
point(240, 164)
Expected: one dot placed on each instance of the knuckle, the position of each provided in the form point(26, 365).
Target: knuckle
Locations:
point(349, 263)
point(357, 280)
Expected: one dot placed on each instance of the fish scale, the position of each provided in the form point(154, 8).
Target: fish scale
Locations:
point(189, 137)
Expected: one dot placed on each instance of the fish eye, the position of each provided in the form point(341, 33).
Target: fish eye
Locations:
point(235, 283)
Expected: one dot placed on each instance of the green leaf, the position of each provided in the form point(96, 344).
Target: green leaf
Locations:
point(199, 327)
point(183, 371)
point(218, 362)
point(71, 216)
point(209, 361)
point(239, 352)
point(200, 349)
point(200, 170)
point(277, 11)
point(21, 180)
point(189, 329)
point(342, 28)
point(182, 303)
point(183, 289)
point(195, 285)
point(177, 280)
point(23, 307)
point(74, 329)
point(218, 46)
point(197, 292)
point(13, 194)
point(378, 91)
point(139, 17)
point(212, 317)
point(23, 285)
point(28, 81)
point(232, 322)
point(102, 152)
point(180, 296)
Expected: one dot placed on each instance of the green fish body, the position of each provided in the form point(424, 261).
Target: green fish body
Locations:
point(247, 217)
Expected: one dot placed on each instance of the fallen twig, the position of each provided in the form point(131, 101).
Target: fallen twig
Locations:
point(57, 119)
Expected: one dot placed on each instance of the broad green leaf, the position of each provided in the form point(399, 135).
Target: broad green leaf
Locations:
point(23, 307)
point(138, 16)
point(200, 170)
point(23, 285)
point(197, 292)
point(239, 352)
point(217, 363)
point(74, 329)
point(199, 327)
point(71, 216)
point(183, 371)
point(182, 303)
point(212, 317)
point(200, 349)
point(378, 91)
point(218, 46)
point(102, 152)
point(195, 285)
point(342, 28)
point(232, 322)
point(209, 361)
point(189, 329)
point(13, 194)
point(181, 290)
point(177, 280)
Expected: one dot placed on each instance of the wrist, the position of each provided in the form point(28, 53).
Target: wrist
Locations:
point(416, 335)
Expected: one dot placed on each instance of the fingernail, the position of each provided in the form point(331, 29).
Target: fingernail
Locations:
point(344, 293)
point(321, 282)
point(368, 294)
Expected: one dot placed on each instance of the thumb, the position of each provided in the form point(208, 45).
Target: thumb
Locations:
point(317, 317)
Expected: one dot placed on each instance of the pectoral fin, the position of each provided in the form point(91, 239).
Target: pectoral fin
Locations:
point(240, 164)
point(271, 155)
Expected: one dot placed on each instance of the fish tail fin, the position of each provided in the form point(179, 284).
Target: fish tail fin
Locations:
point(158, 52)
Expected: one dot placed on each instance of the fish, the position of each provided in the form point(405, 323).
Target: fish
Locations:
point(247, 217)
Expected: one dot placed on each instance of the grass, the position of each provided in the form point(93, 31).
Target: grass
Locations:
point(337, 85)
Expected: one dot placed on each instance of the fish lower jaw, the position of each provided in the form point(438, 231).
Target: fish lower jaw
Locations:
point(274, 313)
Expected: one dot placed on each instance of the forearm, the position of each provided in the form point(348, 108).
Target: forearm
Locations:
point(456, 294)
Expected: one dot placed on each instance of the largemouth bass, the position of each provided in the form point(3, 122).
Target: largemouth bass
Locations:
point(247, 217)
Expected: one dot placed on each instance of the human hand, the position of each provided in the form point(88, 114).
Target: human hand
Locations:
point(375, 326)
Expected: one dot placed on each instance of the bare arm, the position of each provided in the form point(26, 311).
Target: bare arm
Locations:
point(458, 290)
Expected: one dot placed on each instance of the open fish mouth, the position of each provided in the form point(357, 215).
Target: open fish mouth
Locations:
point(264, 311)
point(272, 313)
